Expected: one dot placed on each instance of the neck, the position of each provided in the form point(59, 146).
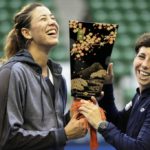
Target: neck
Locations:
point(141, 88)
point(40, 56)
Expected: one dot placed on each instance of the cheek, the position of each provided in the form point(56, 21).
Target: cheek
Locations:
point(37, 29)
point(38, 35)
point(136, 63)
point(57, 26)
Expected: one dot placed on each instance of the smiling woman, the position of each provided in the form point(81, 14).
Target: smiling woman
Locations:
point(44, 29)
point(32, 88)
point(128, 128)
point(142, 67)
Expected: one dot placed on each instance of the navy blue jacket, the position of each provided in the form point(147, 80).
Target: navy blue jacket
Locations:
point(128, 129)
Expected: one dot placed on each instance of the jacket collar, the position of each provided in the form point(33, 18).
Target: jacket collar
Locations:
point(55, 68)
point(25, 57)
point(144, 93)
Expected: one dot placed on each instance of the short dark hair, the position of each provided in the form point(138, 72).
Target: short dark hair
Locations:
point(143, 40)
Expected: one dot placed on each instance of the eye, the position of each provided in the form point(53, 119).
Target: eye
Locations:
point(141, 56)
point(53, 17)
point(43, 19)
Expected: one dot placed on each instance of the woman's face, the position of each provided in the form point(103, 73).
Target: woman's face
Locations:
point(142, 67)
point(44, 28)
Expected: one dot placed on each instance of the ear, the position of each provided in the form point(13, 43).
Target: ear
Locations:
point(26, 33)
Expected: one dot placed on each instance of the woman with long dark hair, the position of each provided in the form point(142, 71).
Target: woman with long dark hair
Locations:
point(32, 89)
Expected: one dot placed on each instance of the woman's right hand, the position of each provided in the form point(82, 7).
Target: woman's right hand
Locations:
point(110, 75)
point(91, 112)
point(76, 128)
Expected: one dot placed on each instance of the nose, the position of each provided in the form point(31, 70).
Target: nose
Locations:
point(52, 21)
point(146, 64)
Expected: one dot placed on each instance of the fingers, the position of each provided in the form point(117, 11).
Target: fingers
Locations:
point(84, 113)
point(82, 127)
point(93, 99)
point(84, 108)
point(83, 124)
point(110, 69)
point(86, 104)
point(84, 101)
point(110, 74)
point(89, 111)
point(75, 115)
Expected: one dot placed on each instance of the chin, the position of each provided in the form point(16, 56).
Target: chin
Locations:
point(54, 42)
point(50, 46)
point(144, 86)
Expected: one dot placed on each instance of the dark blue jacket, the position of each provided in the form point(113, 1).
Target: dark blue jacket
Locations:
point(128, 129)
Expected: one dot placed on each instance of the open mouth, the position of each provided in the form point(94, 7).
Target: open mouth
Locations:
point(52, 32)
point(143, 73)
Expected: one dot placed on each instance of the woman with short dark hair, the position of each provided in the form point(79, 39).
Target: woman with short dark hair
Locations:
point(128, 129)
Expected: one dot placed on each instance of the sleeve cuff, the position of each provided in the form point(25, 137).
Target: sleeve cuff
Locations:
point(61, 137)
point(109, 132)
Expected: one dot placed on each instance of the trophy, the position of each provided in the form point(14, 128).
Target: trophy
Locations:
point(90, 50)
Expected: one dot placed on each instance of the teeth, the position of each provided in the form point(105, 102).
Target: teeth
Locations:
point(52, 32)
point(144, 73)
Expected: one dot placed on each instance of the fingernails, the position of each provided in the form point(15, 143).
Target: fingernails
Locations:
point(82, 101)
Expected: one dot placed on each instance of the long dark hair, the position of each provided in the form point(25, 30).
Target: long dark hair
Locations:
point(15, 41)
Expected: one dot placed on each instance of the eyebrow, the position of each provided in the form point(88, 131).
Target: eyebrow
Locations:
point(46, 15)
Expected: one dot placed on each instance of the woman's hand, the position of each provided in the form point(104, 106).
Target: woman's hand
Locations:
point(91, 112)
point(110, 75)
point(76, 128)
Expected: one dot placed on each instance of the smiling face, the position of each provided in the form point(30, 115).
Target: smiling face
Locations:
point(142, 67)
point(44, 29)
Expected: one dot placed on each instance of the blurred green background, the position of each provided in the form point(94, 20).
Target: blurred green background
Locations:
point(133, 19)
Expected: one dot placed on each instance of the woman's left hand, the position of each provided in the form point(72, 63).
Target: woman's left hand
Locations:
point(91, 112)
